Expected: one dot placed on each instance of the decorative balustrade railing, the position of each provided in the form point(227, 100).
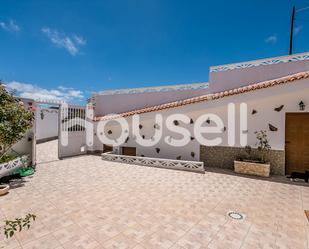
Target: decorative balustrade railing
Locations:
point(156, 162)
point(263, 62)
point(9, 167)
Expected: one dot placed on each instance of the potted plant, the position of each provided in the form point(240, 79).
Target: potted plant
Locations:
point(4, 189)
point(15, 120)
point(255, 165)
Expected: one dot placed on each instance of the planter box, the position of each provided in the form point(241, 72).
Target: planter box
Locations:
point(9, 167)
point(4, 189)
point(250, 168)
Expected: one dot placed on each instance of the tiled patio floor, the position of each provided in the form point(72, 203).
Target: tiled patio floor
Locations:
point(84, 202)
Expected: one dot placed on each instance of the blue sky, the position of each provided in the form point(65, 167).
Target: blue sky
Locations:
point(68, 49)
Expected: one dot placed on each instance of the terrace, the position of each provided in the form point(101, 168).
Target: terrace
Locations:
point(87, 203)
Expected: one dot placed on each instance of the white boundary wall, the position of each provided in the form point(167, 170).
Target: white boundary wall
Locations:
point(46, 124)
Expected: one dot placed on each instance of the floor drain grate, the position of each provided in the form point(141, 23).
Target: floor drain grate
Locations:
point(235, 215)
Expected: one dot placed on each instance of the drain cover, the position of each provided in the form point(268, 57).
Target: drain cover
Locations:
point(235, 215)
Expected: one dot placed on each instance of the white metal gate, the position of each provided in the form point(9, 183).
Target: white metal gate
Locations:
point(72, 132)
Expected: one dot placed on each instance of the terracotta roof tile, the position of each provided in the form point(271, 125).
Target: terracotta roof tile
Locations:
point(213, 96)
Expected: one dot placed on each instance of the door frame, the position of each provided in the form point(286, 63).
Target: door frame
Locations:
point(285, 135)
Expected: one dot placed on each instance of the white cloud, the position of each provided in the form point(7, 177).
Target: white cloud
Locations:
point(271, 39)
point(298, 29)
point(34, 92)
point(64, 88)
point(10, 26)
point(79, 40)
point(71, 43)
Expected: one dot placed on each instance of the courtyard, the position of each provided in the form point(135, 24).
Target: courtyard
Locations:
point(87, 203)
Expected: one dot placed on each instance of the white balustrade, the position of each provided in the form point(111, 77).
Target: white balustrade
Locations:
point(156, 162)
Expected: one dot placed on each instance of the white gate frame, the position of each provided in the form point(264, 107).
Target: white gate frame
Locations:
point(71, 131)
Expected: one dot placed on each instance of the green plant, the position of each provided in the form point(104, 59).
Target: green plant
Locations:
point(246, 154)
point(262, 143)
point(15, 120)
point(7, 158)
point(17, 225)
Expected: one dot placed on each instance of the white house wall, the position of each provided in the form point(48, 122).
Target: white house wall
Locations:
point(118, 103)
point(263, 101)
point(47, 128)
point(232, 76)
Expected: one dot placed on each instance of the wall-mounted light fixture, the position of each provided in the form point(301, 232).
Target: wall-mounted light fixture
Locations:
point(301, 106)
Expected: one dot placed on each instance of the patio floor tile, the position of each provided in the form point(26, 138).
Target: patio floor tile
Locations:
point(87, 203)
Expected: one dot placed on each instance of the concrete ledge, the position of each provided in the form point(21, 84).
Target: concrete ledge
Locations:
point(43, 140)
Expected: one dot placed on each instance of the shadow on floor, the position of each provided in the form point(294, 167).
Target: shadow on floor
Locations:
point(272, 178)
point(15, 181)
point(51, 161)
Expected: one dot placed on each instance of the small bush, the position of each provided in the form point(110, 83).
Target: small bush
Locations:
point(17, 225)
point(15, 120)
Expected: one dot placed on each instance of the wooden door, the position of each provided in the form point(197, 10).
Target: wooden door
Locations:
point(107, 148)
point(129, 151)
point(297, 142)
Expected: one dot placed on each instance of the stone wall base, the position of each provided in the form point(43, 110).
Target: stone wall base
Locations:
point(224, 156)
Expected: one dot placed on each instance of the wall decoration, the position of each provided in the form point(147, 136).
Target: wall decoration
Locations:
point(156, 126)
point(192, 138)
point(301, 106)
point(192, 154)
point(176, 122)
point(178, 158)
point(158, 150)
point(140, 126)
point(208, 121)
point(272, 128)
point(254, 112)
point(278, 109)
point(191, 121)
point(109, 132)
